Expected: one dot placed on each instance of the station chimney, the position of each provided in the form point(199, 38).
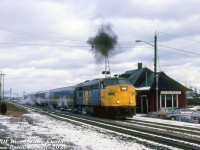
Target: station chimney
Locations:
point(139, 65)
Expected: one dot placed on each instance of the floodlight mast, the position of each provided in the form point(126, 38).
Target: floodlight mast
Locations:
point(155, 67)
point(107, 68)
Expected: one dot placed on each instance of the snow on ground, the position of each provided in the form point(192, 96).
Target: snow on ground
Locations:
point(171, 122)
point(36, 131)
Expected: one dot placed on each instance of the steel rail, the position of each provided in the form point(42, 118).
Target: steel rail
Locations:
point(186, 129)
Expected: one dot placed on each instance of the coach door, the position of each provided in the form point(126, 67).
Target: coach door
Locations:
point(144, 104)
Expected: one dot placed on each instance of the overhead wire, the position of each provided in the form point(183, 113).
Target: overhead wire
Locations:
point(52, 38)
point(39, 44)
point(66, 45)
point(193, 53)
point(75, 43)
point(39, 36)
point(177, 53)
point(179, 36)
point(179, 49)
point(82, 43)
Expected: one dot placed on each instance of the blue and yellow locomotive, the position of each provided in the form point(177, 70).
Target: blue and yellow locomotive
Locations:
point(107, 97)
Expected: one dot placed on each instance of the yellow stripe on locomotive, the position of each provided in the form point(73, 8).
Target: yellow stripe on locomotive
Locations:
point(118, 95)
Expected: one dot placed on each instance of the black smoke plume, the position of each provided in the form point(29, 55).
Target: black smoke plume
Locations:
point(103, 44)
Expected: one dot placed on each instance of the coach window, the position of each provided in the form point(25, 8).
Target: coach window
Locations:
point(80, 94)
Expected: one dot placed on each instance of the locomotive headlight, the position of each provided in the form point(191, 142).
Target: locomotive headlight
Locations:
point(117, 102)
point(124, 88)
point(131, 102)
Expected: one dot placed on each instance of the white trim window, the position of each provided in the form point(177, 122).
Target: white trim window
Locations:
point(169, 99)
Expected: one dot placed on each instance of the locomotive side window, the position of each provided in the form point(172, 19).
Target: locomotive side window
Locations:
point(95, 86)
point(86, 88)
point(79, 88)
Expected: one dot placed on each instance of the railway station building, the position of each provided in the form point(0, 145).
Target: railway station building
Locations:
point(171, 94)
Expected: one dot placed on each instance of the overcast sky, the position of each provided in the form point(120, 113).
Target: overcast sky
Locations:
point(43, 42)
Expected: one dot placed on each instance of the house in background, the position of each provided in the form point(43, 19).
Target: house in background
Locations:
point(171, 94)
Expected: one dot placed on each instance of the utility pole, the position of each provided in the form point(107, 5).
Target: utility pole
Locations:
point(10, 93)
point(155, 69)
point(3, 106)
point(155, 72)
point(1, 87)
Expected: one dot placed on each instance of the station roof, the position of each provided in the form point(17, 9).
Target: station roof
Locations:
point(144, 77)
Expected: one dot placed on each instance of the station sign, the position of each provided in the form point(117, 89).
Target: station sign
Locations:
point(170, 92)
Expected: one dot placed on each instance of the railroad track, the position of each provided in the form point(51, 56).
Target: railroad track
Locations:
point(169, 127)
point(169, 135)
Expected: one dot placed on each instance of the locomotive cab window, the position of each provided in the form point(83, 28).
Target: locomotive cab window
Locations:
point(115, 81)
point(110, 82)
point(124, 81)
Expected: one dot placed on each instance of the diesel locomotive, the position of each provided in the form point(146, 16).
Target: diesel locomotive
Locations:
point(106, 97)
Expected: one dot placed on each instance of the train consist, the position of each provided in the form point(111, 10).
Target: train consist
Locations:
point(107, 97)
